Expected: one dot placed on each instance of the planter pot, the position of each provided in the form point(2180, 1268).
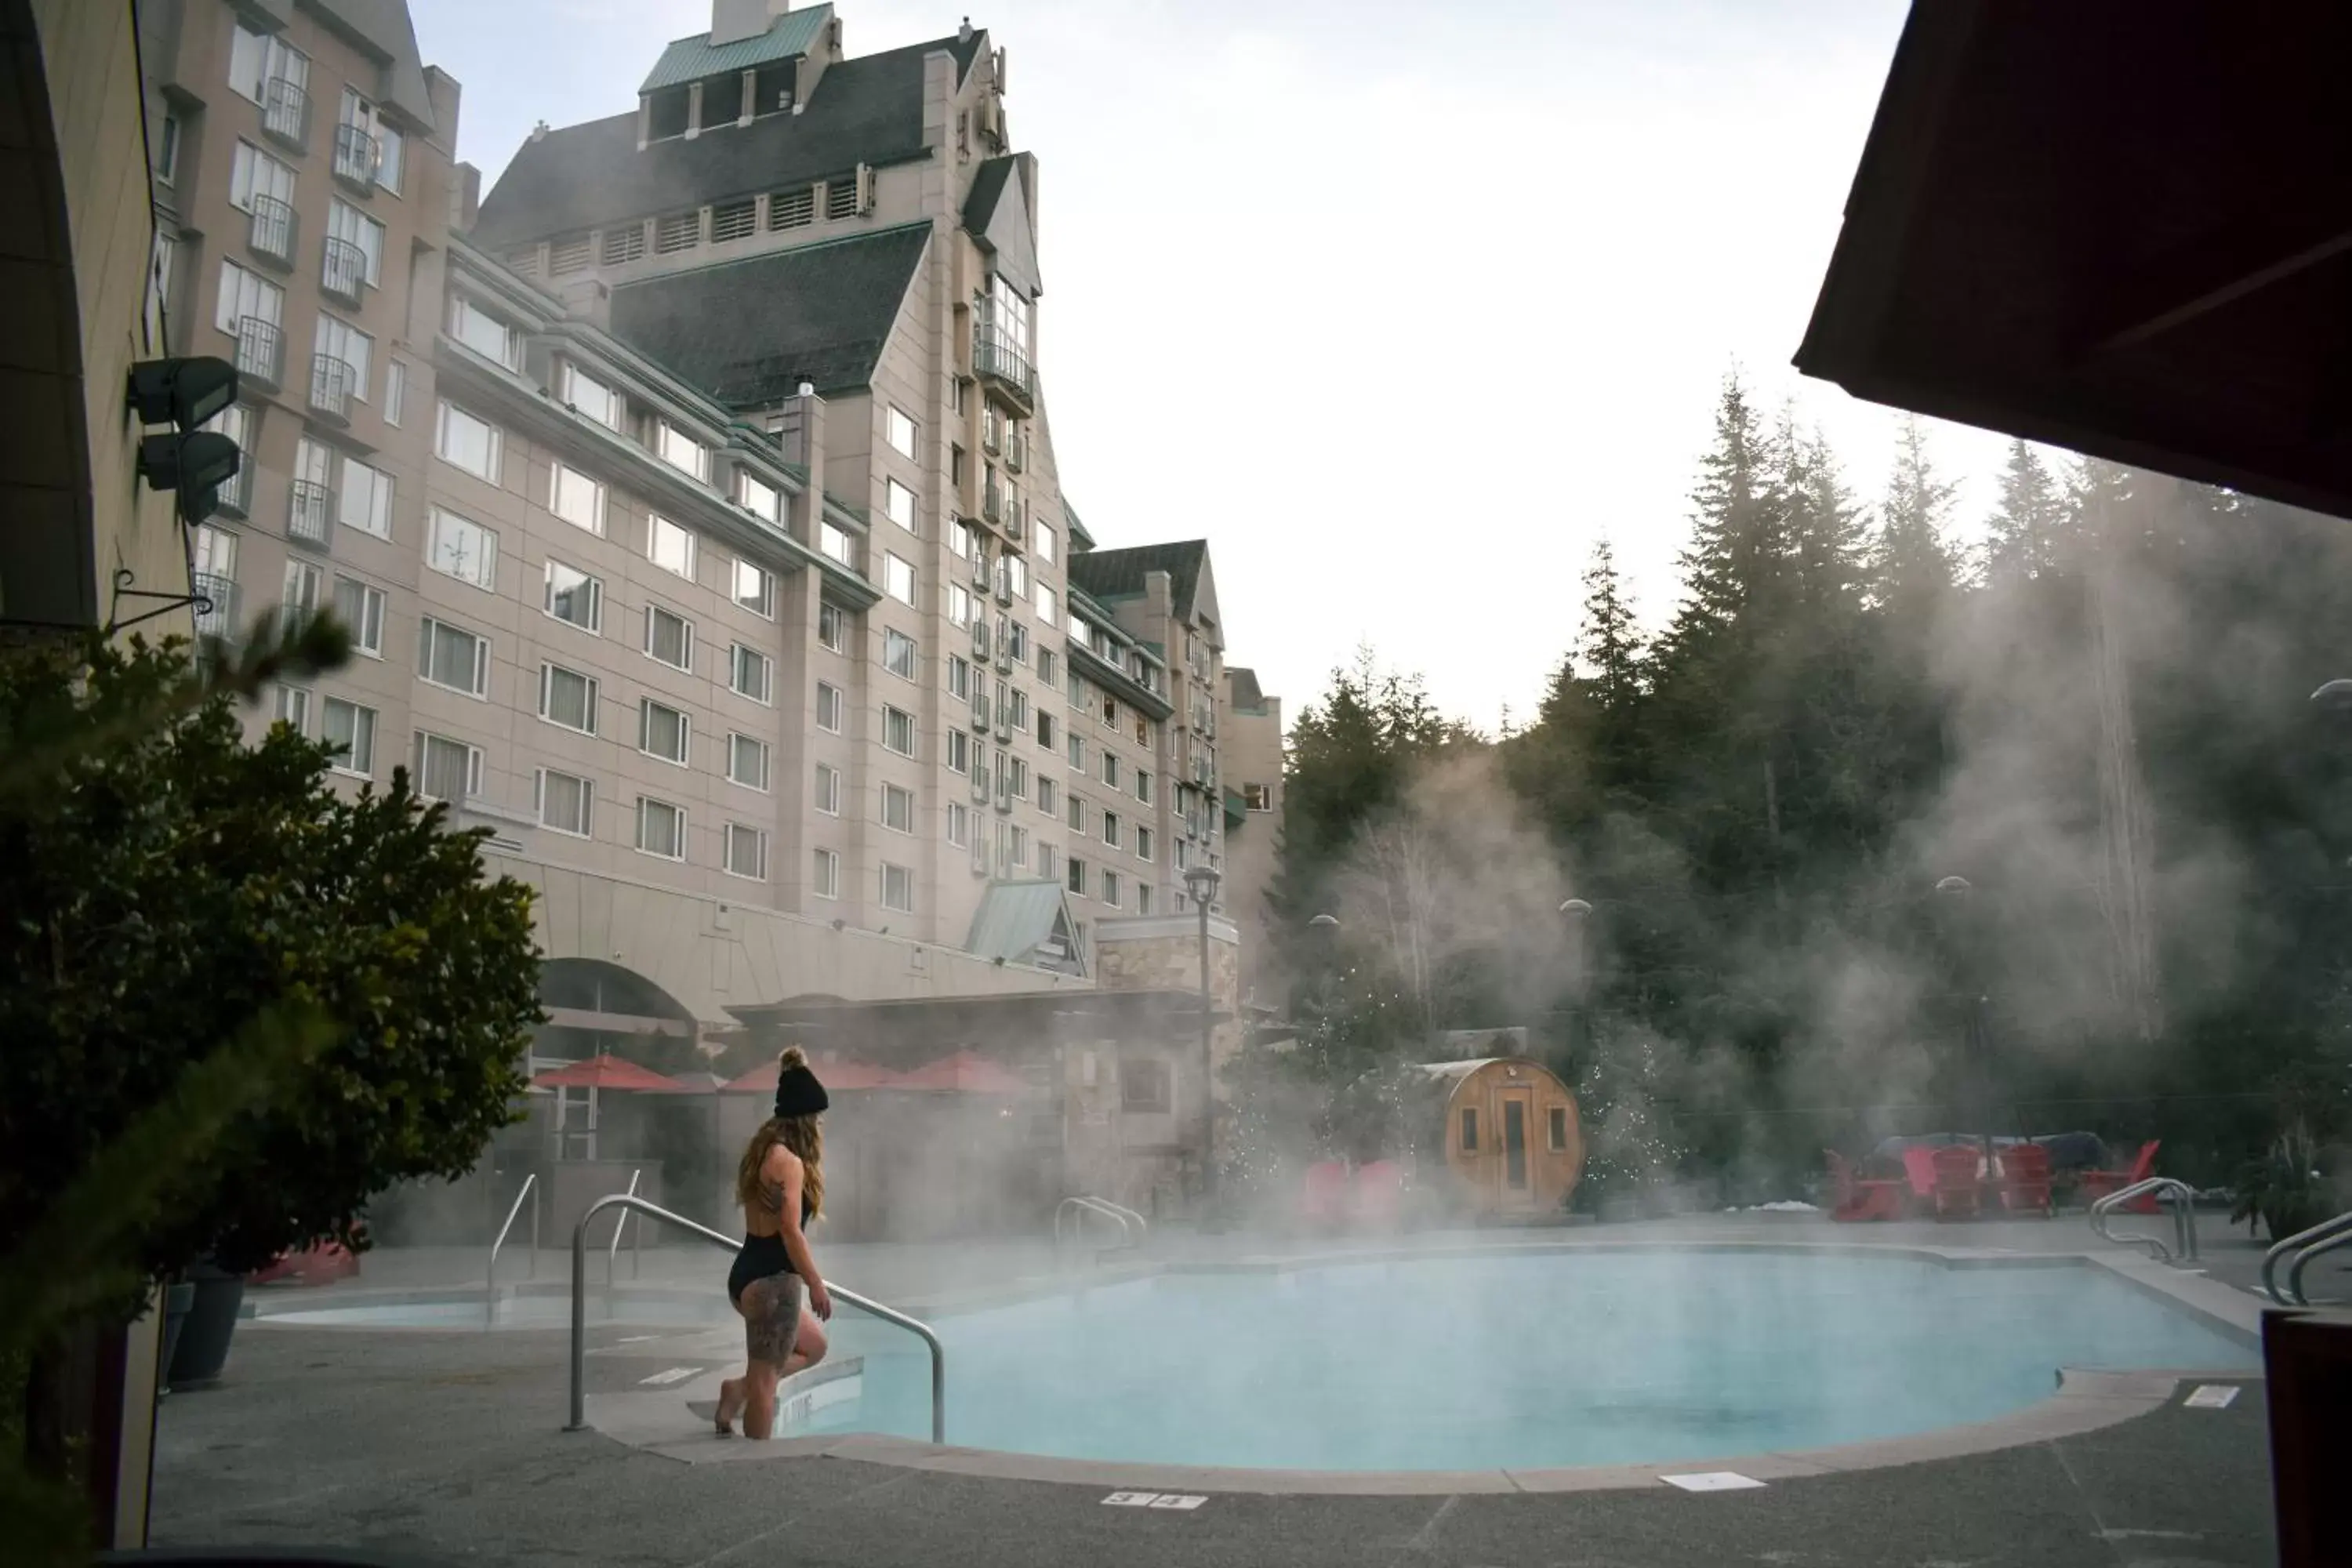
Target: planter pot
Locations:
point(2282, 1220)
point(179, 1300)
point(203, 1350)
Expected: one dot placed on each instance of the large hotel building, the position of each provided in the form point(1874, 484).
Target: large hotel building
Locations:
point(692, 494)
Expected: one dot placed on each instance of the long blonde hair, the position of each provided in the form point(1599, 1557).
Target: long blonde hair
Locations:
point(803, 1136)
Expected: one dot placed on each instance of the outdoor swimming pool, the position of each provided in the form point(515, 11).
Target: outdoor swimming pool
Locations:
point(1579, 1357)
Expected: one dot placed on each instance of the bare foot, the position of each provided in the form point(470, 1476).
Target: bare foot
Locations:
point(730, 1405)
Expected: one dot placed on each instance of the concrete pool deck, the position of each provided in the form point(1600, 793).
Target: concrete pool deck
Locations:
point(447, 1445)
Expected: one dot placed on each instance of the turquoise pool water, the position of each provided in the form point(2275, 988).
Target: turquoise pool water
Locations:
point(1576, 1358)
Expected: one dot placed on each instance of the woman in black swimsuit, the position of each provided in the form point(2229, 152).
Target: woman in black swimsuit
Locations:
point(781, 1184)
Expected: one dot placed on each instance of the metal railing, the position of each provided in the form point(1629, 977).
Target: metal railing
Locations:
point(261, 350)
point(579, 1421)
point(490, 1273)
point(358, 157)
point(2184, 1218)
point(342, 270)
point(310, 513)
point(286, 111)
point(215, 604)
point(275, 230)
point(636, 1225)
point(994, 355)
point(2302, 1248)
point(331, 381)
point(1132, 1227)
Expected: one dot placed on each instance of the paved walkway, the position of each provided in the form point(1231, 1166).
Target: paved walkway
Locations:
point(447, 1445)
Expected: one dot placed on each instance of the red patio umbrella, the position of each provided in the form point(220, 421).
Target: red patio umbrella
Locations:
point(966, 1072)
point(605, 1070)
point(761, 1079)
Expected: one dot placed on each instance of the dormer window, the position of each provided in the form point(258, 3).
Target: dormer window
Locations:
point(722, 99)
point(485, 333)
point(680, 450)
point(666, 114)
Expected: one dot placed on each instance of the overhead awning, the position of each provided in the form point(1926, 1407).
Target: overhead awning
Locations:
point(2120, 228)
point(605, 1070)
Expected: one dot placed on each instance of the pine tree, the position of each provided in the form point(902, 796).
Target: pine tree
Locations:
point(1737, 564)
point(1609, 643)
point(2025, 535)
point(1912, 572)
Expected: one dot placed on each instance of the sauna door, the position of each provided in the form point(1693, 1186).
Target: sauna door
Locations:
point(1516, 1118)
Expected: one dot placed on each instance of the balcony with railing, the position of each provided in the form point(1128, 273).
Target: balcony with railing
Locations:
point(234, 496)
point(261, 353)
point(1016, 452)
point(991, 505)
point(286, 112)
point(342, 275)
point(274, 231)
point(310, 515)
point(1000, 360)
point(332, 381)
point(358, 158)
point(215, 605)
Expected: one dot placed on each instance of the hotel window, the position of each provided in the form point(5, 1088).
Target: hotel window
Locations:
point(1143, 786)
point(1143, 898)
point(567, 697)
point(828, 708)
point(477, 445)
point(828, 790)
point(1049, 796)
point(755, 589)
point(899, 731)
point(246, 295)
point(167, 152)
point(899, 431)
point(485, 333)
point(661, 828)
point(961, 607)
point(294, 708)
point(899, 501)
point(1257, 797)
point(340, 339)
point(463, 549)
point(898, 653)
point(959, 676)
point(1016, 847)
point(590, 397)
point(451, 656)
point(898, 579)
point(1016, 641)
point(898, 888)
point(363, 235)
point(1110, 769)
point(1048, 666)
point(365, 500)
point(669, 546)
point(350, 729)
point(1017, 776)
point(1111, 889)
point(837, 543)
point(254, 175)
point(825, 878)
point(1042, 540)
point(395, 391)
point(830, 631)
point(566, 802)
point(959, 751)
point(751, 672)
point(746, 852)
point(747, 762)
point(669, 637)
point(758, 497)
point(1078, 751)
point(959, 820)
point(1143, 843)
point(897, 809)
point(663, 732)
point(1048, 606)
point(574, 597)
point(392, 156)
point(361, 609)
point(446, 769)
point(1074, 875)
point(1111, 830)
point(1019, 718)
point(680, 450)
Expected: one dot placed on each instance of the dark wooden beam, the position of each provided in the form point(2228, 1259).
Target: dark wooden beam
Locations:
point(2231, 262)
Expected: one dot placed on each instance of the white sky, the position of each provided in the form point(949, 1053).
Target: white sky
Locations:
point(1400, 306)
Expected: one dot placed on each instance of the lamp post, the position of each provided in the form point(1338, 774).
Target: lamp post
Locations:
point(1579, 916)
point(1202, 881)
point(1955, 891)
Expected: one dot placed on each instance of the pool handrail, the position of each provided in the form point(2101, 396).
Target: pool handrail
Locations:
point(579, 1421)
point(2325, 1237)
point(2183, 1198)
point(491, 1271)
point(613, 1253)
point(1132, 1227)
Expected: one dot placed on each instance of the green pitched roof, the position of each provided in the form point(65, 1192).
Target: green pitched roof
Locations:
point(1118, 573)
point(692, 60)
point(1015, 919)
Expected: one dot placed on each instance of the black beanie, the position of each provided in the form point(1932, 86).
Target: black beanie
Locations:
point(798, 1093)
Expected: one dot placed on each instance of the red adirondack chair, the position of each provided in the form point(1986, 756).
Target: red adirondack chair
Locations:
point(1322, 1200)
point(1959, 1178)
point(2025, 1179)
point(1858, 1199)
point(1379, 1195)
point(2096, 1184)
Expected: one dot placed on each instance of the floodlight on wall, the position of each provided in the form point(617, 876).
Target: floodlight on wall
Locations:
point(182, 392)
point(189, 464)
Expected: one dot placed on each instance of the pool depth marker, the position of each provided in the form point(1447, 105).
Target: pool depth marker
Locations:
point(1712, 1481)
point(1153, 1499)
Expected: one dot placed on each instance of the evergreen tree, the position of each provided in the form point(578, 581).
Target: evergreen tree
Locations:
point(1912, 576)
point(2026, 532)
point(1609, 643)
